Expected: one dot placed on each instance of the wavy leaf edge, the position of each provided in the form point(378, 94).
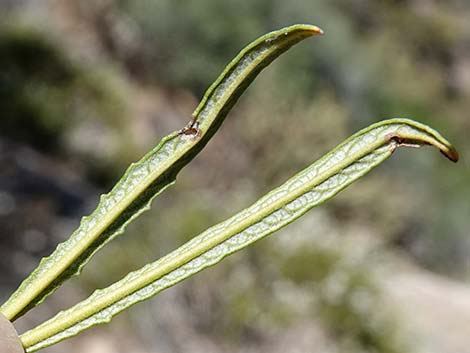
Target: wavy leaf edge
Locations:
point(314, 185)
point(155, 172)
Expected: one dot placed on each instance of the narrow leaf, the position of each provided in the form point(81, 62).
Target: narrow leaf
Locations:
point(314, 185)
point(157, 170)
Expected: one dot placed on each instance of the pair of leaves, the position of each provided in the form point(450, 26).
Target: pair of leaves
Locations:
point(311, 187)
point(157, 170)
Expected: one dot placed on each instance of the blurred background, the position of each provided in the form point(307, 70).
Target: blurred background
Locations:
point(86, 87)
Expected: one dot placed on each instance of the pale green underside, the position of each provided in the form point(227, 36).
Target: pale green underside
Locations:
point(157, 170)
point(145, 179)
point(309, 188)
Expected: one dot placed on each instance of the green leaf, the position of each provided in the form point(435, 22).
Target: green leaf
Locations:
point(314, 185)
point(154, 172)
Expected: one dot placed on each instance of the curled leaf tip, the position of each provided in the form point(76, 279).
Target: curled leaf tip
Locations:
point(319, 31)
point(414, 134)
point(451, 153)
point(313, 29)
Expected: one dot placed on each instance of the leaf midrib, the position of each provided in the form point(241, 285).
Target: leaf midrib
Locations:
point(101, 303)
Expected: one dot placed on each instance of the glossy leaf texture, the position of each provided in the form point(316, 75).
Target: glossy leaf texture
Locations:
point(156, 171)
point(309, 188)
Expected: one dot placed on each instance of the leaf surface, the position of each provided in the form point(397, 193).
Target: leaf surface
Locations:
point(309, 188)
point(156, 171)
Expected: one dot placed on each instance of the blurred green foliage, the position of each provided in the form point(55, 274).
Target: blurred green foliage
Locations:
point(48, 98)
point(36, 82)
